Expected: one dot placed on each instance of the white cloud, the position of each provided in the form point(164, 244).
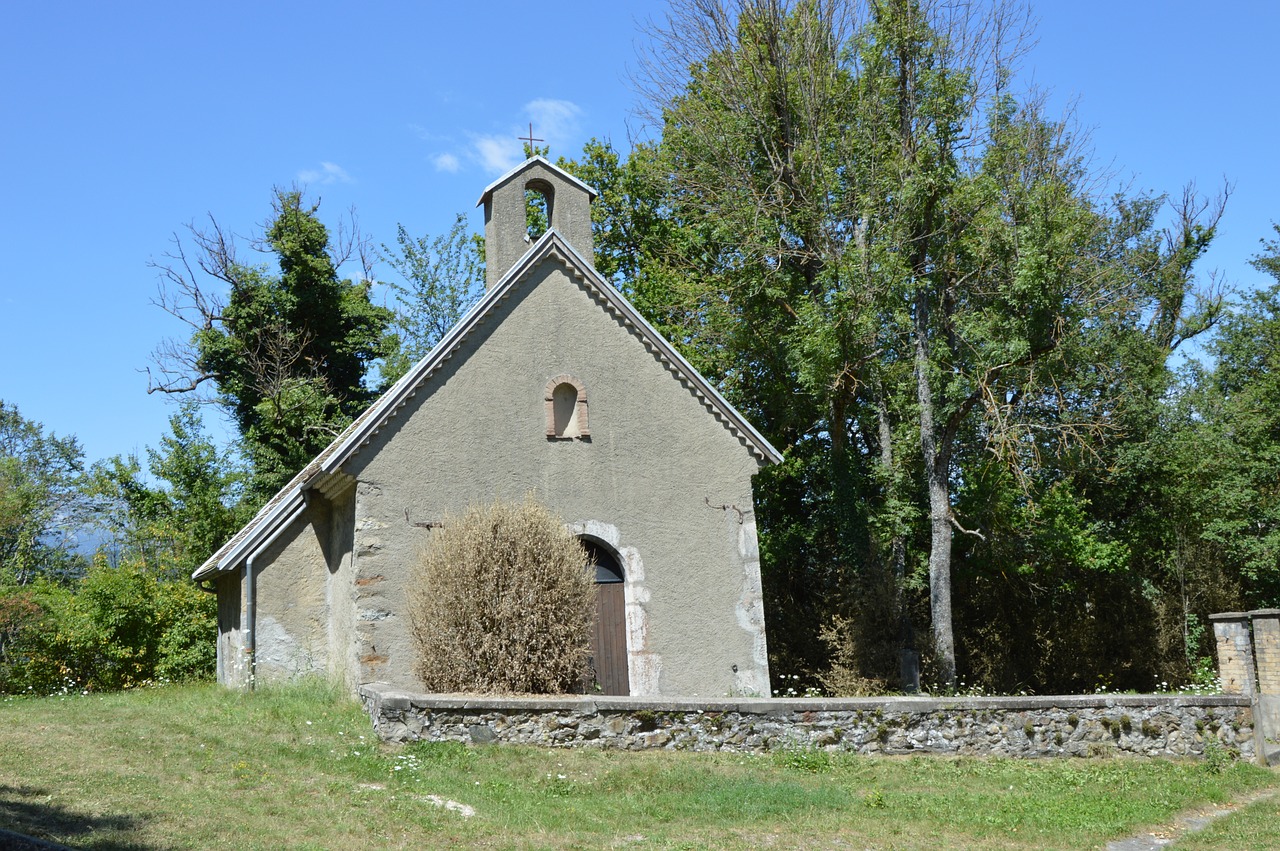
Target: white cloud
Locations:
point(497, 153)
point(446, 162)
point(556, 121)
point(328, 173)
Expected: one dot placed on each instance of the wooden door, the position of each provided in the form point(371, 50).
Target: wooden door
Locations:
point(609, 632)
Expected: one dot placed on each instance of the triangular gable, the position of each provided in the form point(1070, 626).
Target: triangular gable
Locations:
point(488, 190)
point(324, 473)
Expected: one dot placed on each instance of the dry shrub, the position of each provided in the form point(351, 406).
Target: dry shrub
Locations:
point(842, 678)
point(863, 641)
point(501, 602)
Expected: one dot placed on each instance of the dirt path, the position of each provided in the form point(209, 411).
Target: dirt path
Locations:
point(1188, 822)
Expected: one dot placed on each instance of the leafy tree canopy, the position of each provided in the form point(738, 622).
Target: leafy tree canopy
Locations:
point(171, 521)
point(905, 274)
point(443, 277)
point(289, 351)
point(40, 504)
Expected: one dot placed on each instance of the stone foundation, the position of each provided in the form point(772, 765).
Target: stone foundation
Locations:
point(1074, 725)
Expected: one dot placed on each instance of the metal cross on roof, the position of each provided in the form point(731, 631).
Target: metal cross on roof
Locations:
point(530, 139)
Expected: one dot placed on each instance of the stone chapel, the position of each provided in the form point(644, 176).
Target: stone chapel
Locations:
point(551, 383)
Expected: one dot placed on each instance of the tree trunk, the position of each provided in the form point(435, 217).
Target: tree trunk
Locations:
point(898, 544)
point(936, 462)
point(908, 658)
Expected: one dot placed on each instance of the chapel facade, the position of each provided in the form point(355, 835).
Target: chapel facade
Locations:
point(552, 383)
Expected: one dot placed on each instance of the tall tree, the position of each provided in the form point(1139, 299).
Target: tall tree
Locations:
point(288, 352)
point(1228, 479)
point(40, 500)
point(904, 264)
point(191, 504)
point(443, 277)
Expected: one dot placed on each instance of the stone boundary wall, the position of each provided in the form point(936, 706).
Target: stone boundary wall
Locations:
point(1071, 725)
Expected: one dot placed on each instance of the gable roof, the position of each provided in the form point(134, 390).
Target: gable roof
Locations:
point(324, 473)
point(488, 190)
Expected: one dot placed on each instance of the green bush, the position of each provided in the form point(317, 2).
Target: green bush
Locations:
point(188, 648)
point(20, 615)
point(501, 602)
point(30, 663)
point(108, 635)
point(117, 627)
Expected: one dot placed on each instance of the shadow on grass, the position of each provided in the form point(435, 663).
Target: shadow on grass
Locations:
point(28, 810)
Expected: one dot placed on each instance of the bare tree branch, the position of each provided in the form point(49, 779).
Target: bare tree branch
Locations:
point(955, 521)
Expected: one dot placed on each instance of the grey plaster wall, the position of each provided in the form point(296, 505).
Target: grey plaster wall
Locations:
point(233, 665)
point(670, 480)
point(304, 599)
point(292, 618)
point(340, 592)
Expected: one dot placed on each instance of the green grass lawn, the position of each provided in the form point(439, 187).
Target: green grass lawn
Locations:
point(298, 767)
point(1254, 828)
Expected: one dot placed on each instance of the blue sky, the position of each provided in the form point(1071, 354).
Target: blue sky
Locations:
point(119, 123)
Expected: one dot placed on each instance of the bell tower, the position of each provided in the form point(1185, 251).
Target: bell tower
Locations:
point(568, 204)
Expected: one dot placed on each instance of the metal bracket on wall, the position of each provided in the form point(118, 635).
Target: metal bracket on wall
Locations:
point(428, 524)
point(736, 510)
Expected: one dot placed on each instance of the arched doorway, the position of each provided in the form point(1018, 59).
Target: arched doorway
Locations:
point(608, 664)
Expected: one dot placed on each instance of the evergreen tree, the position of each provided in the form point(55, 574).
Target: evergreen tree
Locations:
point(288, 352)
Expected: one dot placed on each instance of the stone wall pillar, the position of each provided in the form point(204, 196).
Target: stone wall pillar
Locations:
point(1266, 649)
point(1235, 653)
point(1266, 710)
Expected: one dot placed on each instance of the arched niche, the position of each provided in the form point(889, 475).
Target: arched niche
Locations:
point(565, 404)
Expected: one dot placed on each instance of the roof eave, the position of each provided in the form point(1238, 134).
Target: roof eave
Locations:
point(590, 190)
point(264, 532)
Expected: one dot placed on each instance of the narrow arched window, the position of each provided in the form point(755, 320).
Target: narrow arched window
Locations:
point(564, 400)
point(538, 198)
point(566, 408)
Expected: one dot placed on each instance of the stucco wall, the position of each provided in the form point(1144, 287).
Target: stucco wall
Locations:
point(232, 663)
point(292, 618)
point(304, 601)
point(340, 591)
point(671, 480)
